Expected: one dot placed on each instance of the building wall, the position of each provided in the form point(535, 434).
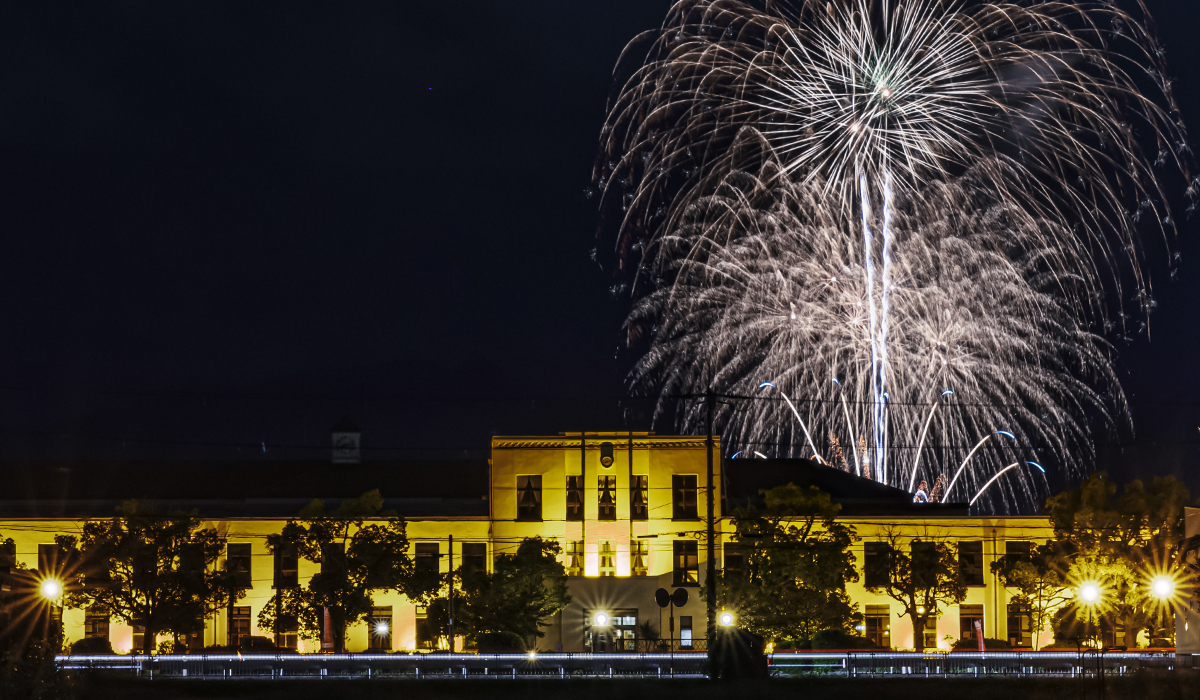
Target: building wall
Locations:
point(554, 459)
point(1187, 613)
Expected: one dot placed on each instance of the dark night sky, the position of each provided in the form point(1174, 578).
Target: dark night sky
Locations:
point(228, 225)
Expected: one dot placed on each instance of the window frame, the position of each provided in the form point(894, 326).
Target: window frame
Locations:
point(529, 483)
point(685, 550)
point(606, 497)
point(681, 509)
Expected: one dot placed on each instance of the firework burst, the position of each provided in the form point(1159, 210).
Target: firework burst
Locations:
point(926, 202)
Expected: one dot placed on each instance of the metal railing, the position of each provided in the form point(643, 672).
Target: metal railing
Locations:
point(682, 664)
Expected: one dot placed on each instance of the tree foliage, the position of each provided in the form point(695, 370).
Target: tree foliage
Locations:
point(923, 580)
point(523, 590)
point(360, 548)
point(1119, 543)
point(796, 560)
point(148, 569)
point(1041, 582)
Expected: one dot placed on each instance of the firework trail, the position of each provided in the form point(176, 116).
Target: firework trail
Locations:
point(1062, 109)
point(767, 287)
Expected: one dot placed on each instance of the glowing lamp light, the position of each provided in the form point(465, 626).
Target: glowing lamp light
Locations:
point(601, 620)
point(381, 628)
point(51, 588)
point(1163, 587)
point(1089, 592)
point(726, 619)
point(533, 655)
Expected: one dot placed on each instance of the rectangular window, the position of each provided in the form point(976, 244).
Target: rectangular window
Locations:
point(607, 488)
point(639, 497)
point(1018, 550)
point(239, 625)
point(639, 554)
point(427, 558)
point(575, 498)
point(426, 638)
point(529, 497)
point(931, 638)
point(474, 556)
point(683, 486)
point(1020, 625)
point(575, 558)
point(685, 631)
point(968, 615)
point(735, 559)
point(608, 559)
point(287, 567)
point(379, 629)
point(687, 563)
point(924, 564)
point(333, 558)
point(970, 562)
point(95, 624)
point(289, 632)
point(878, 619)
point(875, 563)
point(238, 563)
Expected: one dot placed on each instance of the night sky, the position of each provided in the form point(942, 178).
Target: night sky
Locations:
point(226, 226)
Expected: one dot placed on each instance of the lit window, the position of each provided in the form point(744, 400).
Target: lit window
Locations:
point(608, 559)
point(574, 498)
point(687, 563)
point(639, 554)
point(608, 498)
point(575, 558)
point(639, 500)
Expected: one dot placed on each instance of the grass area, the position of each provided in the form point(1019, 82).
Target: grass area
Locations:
point(1165, 685)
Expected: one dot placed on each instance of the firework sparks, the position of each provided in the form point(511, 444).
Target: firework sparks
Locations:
point(995, 159)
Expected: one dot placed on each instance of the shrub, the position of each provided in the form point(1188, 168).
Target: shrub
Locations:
point(500, 643)
point(92, 645)
point(837, 639)
point(970, 644)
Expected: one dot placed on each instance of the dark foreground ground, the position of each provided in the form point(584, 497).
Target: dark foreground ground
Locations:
point(1156, 686)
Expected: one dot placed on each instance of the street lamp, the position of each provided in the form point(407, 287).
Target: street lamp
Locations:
point(726, 619)
point(601, 619)
point(1089, 592)
point(51, 589)
point(1162, 586)
point(381, 629)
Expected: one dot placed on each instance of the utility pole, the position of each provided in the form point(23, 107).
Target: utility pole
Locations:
point(450, 597)
point(710, 401)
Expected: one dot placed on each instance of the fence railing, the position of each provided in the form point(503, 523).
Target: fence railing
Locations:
point(656, 664)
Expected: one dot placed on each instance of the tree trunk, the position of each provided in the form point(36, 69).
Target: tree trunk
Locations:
point(918, 632)
point(148, 639)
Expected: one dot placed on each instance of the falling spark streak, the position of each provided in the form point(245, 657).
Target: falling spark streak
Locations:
point(798, 418)
point(997, 476)
point(970, 454)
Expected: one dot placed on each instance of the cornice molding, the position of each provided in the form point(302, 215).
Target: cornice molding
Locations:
point(686, 442)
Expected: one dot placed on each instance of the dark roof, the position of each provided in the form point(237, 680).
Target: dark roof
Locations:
point(413, 488)
point(746, 479)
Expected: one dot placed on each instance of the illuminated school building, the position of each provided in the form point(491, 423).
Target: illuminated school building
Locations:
point(628, 510)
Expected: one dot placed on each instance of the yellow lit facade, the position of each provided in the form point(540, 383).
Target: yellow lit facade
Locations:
point(628, 510)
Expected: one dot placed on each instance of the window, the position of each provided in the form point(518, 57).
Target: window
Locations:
point(238, 563)
point(968, 615)
point(474, 556)
point(427, 558)
point(924, 564)
point(1020, 626)
point(687, 563)
point(239, 625)
point(426, 638)
point(529, 497)
point(639, 553)
point(970, 563)
point(95, 624)
point(875, 563)
point(735, 559)
point(620, 634)
point(878, 625)
point(333, 558)
point(287, 574)
point(575, 558)
point(685, 631)
point(1018, 550)
point(575, 498)
point(931, 638)
point(608, 559)
point(379, 629)
point(607, 486)
point(639, 497)
point(683, 486)
point(289, 632)
point(194, 640)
